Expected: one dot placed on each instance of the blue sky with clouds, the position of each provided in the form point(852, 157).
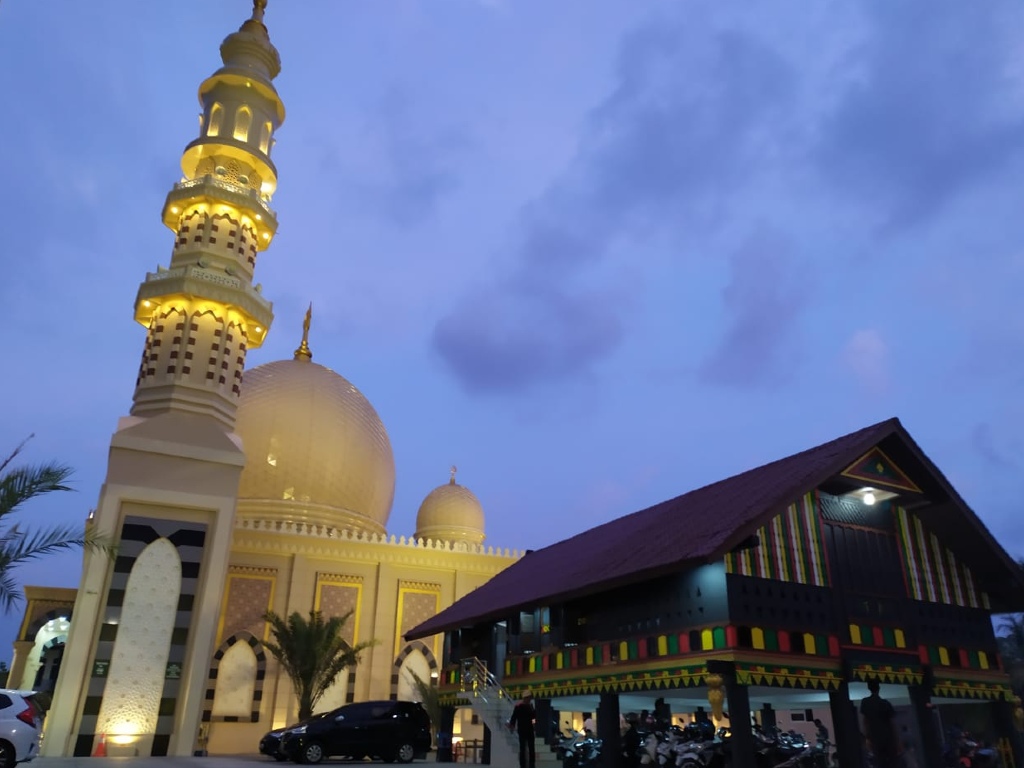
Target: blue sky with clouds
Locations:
point(595, 253)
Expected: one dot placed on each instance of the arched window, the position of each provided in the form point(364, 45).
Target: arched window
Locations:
point(236, 683)
point(216, 115)
point(265, 139)
point(243, 120)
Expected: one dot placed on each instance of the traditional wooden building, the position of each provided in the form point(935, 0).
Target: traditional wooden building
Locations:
point(790, 584)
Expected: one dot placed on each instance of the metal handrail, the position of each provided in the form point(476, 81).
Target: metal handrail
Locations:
point(480, 681)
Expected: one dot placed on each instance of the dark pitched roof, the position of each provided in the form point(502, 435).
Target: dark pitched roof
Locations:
point(698, 526)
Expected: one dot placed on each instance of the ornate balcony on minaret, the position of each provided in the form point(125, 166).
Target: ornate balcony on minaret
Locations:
point(203, 312)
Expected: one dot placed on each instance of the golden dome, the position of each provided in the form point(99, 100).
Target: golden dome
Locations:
point(451, 512)
point(316, 450)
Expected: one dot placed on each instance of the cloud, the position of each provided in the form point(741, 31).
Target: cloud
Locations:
point(680, 130)
point(508, 341)
point(399, 166)
point(933, 107)
point(985, 444)
point(766, 295)
point(866, 355)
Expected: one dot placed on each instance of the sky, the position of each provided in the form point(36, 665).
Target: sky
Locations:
point(594, 253)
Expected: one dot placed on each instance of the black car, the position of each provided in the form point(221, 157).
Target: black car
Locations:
point(271, 745)
point(389, 730)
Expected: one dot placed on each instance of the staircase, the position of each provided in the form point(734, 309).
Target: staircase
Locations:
point(493, 705)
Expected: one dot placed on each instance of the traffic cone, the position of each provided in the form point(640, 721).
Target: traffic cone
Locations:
point(101, 748)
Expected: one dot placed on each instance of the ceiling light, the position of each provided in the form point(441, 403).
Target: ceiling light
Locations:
point(869, 496)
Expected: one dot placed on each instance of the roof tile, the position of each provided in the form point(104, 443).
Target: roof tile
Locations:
point(696, 526)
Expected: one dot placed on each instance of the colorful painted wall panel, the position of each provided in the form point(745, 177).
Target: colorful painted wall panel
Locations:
point(791, 548)
point(932, 570)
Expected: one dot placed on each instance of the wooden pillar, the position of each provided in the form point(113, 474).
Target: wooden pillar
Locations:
point(544, 715)
point(738, 697)
point(485, 752)
point(1002, 720)
point(845, 721)
point(608, 730)
point(444, 734)
point(927, 724)
point(737, 700)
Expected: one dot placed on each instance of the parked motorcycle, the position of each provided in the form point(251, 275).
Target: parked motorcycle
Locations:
point(577, 750)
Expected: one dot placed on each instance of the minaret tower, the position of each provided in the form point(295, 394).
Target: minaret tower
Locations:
point(141, 639)
point(203, 313)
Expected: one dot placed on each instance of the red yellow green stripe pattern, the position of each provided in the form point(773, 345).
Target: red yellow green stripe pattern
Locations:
point(791, 548)
point(933, 573)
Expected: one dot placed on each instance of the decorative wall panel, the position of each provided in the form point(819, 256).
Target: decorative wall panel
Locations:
point(790, 548)
point(249, 595)
point(932, 570)
point(138, 666)
point(236, 682)
point(338, 595)
point(241, 659)
point(417, 602)
point(137, 534)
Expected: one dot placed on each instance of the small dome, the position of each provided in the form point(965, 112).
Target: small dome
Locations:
point(316, 450)
point(451, 513)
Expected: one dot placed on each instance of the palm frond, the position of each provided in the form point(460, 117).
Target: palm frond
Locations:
point(19, 546)
point(312, 652)
point(20, 484)
point(14, 454)
point(9, 593)
point(430, 698)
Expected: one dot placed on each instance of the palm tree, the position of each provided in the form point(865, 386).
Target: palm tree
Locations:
point(312, 652)
point(1011, 637)
point(430, 697)
point(17, 545)
point(1011, 646)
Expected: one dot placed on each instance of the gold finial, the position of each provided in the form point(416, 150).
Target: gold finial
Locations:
point(303, 353)
point(453, 470)
point(258, 7)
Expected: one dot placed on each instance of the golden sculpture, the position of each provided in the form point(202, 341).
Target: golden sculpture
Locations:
point(303, 352)
point(1018, 714)
point(716, 695)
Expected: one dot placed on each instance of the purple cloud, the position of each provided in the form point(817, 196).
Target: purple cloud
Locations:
point(511, 341)
point(764, 299)
point(677, 133)
point(932, 110)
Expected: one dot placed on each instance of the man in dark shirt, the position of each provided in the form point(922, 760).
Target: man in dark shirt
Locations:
point(522, 721)
point(878, 719)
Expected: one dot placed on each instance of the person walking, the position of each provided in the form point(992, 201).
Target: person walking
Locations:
point(523, 716)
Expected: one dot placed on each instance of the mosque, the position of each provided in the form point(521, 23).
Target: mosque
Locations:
point(228, 496)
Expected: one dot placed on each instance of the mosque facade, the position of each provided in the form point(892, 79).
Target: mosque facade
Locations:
point(228, 496)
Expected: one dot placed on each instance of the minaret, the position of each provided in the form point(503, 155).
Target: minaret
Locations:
point(135, 666)
point(203, 313)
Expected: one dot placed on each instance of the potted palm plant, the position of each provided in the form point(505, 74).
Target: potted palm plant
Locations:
point(430, 699)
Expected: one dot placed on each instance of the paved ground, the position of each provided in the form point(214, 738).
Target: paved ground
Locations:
point(239, 761)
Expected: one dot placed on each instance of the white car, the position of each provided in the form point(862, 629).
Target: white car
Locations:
point(20, 724)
